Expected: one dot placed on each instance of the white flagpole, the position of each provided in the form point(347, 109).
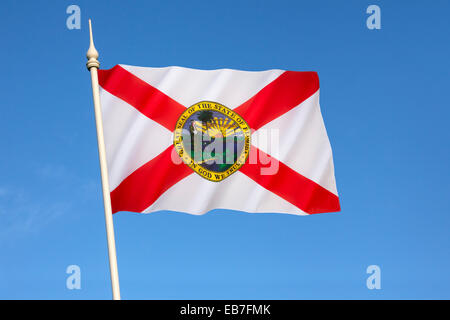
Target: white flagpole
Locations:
point(93, 66)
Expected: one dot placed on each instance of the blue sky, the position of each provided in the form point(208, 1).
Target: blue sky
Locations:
point(385, 103)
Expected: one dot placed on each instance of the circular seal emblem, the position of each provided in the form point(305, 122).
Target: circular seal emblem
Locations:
point(212, 140)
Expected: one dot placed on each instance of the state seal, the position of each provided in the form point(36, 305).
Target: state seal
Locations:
point(212, 140)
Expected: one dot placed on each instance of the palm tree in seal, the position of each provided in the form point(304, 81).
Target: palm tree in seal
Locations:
point(205, 115)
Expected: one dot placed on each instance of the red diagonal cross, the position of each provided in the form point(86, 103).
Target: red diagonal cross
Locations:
point(290, 89)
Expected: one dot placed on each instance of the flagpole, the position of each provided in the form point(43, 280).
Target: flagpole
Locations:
point(93, 66)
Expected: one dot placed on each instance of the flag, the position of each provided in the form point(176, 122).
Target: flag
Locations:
point(191, 141)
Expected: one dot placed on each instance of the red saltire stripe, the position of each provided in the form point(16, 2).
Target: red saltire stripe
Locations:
point(147, 99)
point(281, 95)
point(290, 185)
point(141, 188)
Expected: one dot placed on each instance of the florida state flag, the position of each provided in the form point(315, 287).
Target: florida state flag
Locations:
point(191, 140)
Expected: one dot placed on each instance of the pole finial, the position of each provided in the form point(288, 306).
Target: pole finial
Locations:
point(92, 53)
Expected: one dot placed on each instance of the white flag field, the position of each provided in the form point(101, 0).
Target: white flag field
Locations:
point(191, 141)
